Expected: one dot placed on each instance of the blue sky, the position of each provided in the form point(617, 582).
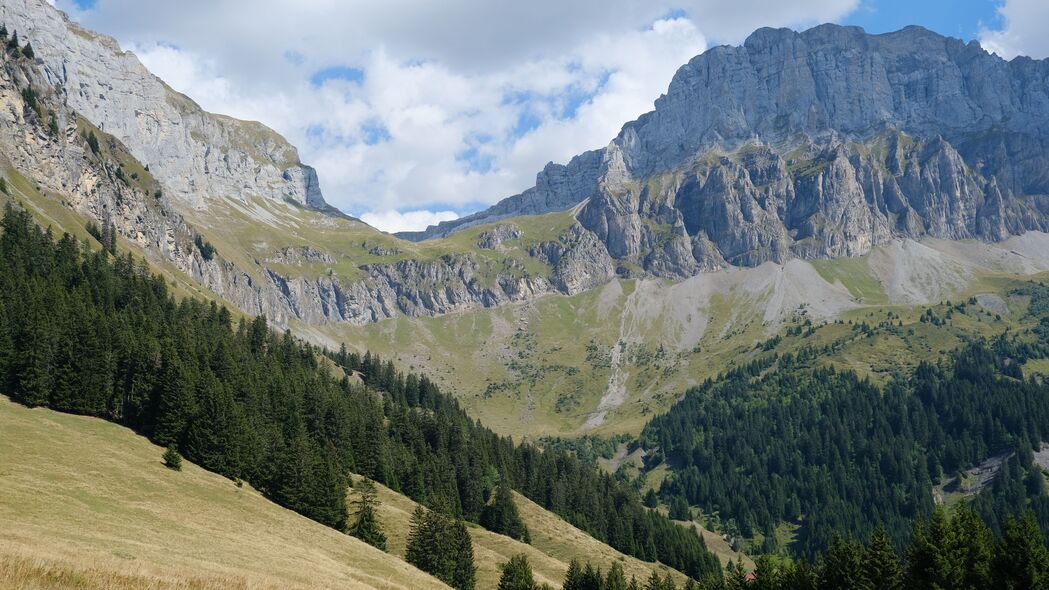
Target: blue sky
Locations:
point(963, 19)
point(415, 111)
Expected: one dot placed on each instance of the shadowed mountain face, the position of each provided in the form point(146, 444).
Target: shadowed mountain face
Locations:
point(816, 144)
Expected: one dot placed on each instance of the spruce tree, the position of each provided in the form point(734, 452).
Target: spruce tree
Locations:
point(366, 527)
point(616, 579)
point(736, 575)
point(881, 564)
point(573, 577)
point(172, 458)
point(1021, 560)
point(3, 32)
point(654, 581)
point(843, 566)
point(592, 578)
point(517, 574)
point(464, 576)
point(12, 43)
point(28, 50)
point(501, 516)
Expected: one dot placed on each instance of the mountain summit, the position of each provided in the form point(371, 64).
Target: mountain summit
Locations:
point(815, 144)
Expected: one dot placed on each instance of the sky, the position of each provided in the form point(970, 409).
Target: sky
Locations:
point(415, 111)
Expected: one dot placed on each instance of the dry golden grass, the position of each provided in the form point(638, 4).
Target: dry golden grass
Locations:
point(88, 504)
point(554, 543)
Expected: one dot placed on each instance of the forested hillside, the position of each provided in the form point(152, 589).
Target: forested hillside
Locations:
point(86, 333)
point(784, 440)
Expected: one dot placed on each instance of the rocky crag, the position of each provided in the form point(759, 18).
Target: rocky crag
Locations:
point(196, 155)
point(817, 144)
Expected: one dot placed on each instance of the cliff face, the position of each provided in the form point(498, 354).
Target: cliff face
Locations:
point(196, 155)
point(816, 144)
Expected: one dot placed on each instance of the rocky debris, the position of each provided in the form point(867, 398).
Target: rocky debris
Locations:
point(196, 155)
point(492, 239)
point(380, 249)
point(300, 255)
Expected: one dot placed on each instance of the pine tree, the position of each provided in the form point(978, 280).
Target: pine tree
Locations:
point(616, 579)
point(501, 516)
point(175, 401)
point(881, 564)
point(465, 573)
point(654, 581)
point(517, 574)
point(92, 142)
point(28, 50)
point(592, 578)
point(1021, 560)
point(633, 584)
point(573, 577)
point(441, 547)
point(843, 566)
point(172, 458)
point(3, 32)
point(366, 527)
point(668, 582)
point(12, 43)
point(651, 501)
point(736, 575)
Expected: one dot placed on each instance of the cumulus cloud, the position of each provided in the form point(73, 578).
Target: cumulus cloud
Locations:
point(1025, 23)
point(394, 221)
point(417, 106)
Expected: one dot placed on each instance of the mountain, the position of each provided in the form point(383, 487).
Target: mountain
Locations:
point(817, 144)
point(197, 156)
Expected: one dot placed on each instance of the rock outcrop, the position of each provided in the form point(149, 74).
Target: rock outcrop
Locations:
point(196, 155)
point(817, 144)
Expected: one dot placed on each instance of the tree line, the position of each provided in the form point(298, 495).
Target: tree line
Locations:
point(86, 332)
point(788, 440)
point(944, 553)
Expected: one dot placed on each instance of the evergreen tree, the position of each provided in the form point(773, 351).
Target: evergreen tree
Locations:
point(679, 509)
point(12, 43)
point(465, 576)
point(3, 186)
point(28, 50)
point(592, 578)
point(517, 574)
point(881, 564)
point(3, 32)
point(501, 516)
point(441, 547)
point(654, 581)
point(651, 501)
point(92, 142)
point(616, 579)
point(573, 577)
point(843, 566)
point(172, 458)
point(1021, 560)
point(735, 575)
point(366, 527)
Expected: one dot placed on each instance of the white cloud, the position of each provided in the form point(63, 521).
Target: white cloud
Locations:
point(1025, 23)
point(394, 221)
point(435, 124)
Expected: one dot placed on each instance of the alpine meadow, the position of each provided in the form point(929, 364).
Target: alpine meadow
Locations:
point(773, 315)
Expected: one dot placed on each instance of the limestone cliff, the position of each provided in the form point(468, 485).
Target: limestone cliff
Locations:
point(817, 144)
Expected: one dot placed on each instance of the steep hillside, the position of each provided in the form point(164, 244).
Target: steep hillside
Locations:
point(554, 544)
point(604, 361)
point(126, 521)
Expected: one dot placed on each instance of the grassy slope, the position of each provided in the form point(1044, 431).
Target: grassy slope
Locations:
point(88, 504)
point(539, 368)
point(554, 543)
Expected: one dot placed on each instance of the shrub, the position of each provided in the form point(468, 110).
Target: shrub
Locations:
point(172, 458)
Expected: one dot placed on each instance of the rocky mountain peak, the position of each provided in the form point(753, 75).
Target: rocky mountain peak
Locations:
point(812, 144)
point(197, 155)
